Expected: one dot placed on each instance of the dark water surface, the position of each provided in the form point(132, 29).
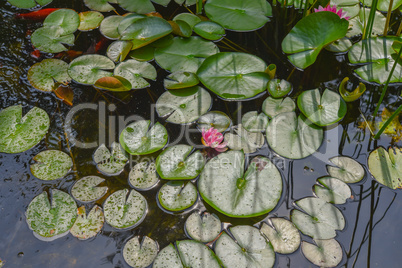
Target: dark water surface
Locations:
point(363, 247)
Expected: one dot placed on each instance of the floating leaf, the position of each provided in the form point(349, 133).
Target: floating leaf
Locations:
point(322, 110)
point(283, 235)
point(234, 75)
point(87, 189)
point(383, 4)
point(347, 169)
point(191, 251)
point(352, 7)
point(18, 133)
point(359, 23)
point(332, 190)
point(51, 40)
point(386, 167)
point(320, 220)
point(209, 30)
point(42, 75)
point(88, 69)
point(254, 122)
point(138, 6)
point(168, 257)
point(293, 137)
point(139, 139)
point(51, 219)
point(110, 163)
point(26, 4)
point(216, 119)
point(140, 255)
point(310, 35)
point(100, 5)
point(180, 107)
point(203, 228)
point(394, 128)
point(65, 93)
point(135, 72)
point(180, 80)
point(189, 18)
point(143, 176)
point(118, 50)
point(125, 212)
point(87, 227)
point(326, 253)
point(143, 53)
point(114, 83)
point(225, 186)
point(90, 20)
point(241, 139)
point(340, 45)
point(249, 249)
point(109, 27)
point(176, 163)
point(272, 107)
point(351, 96)
point(177, 196)
point(128, 19)
point(181, 28)
point(66, 19)
point(51, 165)
point(278, 88)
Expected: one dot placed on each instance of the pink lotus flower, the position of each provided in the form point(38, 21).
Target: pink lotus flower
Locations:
point(213, 138)
point(342, 14)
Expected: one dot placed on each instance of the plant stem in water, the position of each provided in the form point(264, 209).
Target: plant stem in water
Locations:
point(369, 29)
point(391, 2)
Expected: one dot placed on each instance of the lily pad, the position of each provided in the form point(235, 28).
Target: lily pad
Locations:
point(27, 4)
point(332, 190)
point(51, 39)
point(203, 228)
point(249, 249)
point(185, 54)
point(138, 6)
point(352, 7)
point(51, 219)
point(110, 163)
point(44, 74)
point(51, 165)
point(140, 255)
point(181, 28)
point(139, 138)
point(180, 80)
point(66, 19)
point(109, 27)
point(168, 257)
point(177, 195)
point(88, 69)
point(225, 186)
point(99, 5)
point(358, 23)
point(254, 122)
point(181, 107)
point(209, 30)
point(272, 107)
point(340, 45)
point(350, 96)
point(128, 19)
point(386, 167)
point(136, 72)
point(283, 235)
point(322, 110)
point(90, 20)
point(118, 50)
point(191, 251)
point(143, 176)
point(189, 18)
point(293, 137)
point(113, 83)
point(234, 75)
point(176, 163)
point(18, 133)
point(320, 220)
point(87, 189)
point(347, 169)
point(125, 212)
point(241, 139)
point(326, 253)
point(383, 4)
point(310, 35)
point(216, 119)
point(88, 226)
point(143, 53)
point(278, 88)
point(239, 15)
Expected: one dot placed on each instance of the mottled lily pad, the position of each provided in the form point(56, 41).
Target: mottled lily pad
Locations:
point(326, 253)
point(110, 162)
point(51, 165)
point(143, 176)
point(90, 20)
point(51, 40)
point(177, 195)
point(272, 107)
point(87, 189)
point(109, 27)
point(168, 257)
point(332, 190)
point(386, 167)
point(282, 234)
point(140, 255)
point(203, 228)
point(88, 69)
point(136, 72)
point(347, 169)
point(67, 20)
point(254, 122)
point(180, 80)
point(118, 50)
point(241, 139)
point(216, 119)
point(89, 226)
point(26, 4)
point(44, 74)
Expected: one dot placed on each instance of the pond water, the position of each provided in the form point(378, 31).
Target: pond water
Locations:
point(373, 233)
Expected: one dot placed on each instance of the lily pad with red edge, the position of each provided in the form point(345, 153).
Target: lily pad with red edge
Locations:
point(209, 30)
point(386, 166)
point(51, 40)
point(140, 254)
point(110, 162)
point(51, 165)
point(180, 80)
point(109, 27)
point(87, 189)
point(324, 253)
point(90, 20)
point(177, 196)
point(44, 74)
point(100, 5)
point(86, 227)
point(88, 69)
point(113, 83)
point(65, 93)
point(215, 119)
point(136, 73)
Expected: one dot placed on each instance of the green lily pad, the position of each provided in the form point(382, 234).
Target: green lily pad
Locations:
point(185, 54)
point(143, 176)
point(128, 20)
point(320, 220)
point(383, 5)
point(86, 227)
point(110, 163)
point(51, 39)
point(87, 189)
point(209, 30)
point(27, 4)
point(357, 24)
point(225, 186)
point(293, 137)
point(113, 83)
point(51, 165)
point(140, 255)
point(350, 96)
point(177, 195)
point(340, 45)
point(239, 15)
point(44, 74)
point(254, 122)
point(89, 20)
point(386, 166)
point(352, 7)
point(249, 249)
point(310, 35)
point(234, 75)
point(326, 253)
point(136, 72)
point(216, 119)
point(125, 212)
point(347, 169)
point(272, 107)
point(88, 69)
point(143, 53)
point(279, 88)
point(241, 139)
point(379, 56)
point(282, 234)
point(322, 110)
point(196, 255)
point(181, 28)
point(118, 50)
point(100, 5)
point(180, 80)
point(189, 18)
point(203, 228)
point(168, 257)
point(51, 219)
point(18, 133)
point(66, 19)
point(176, 163)
point(109, 27)
point(138, 6)
point(139, 139)
point(181, 107)
point(332, 190)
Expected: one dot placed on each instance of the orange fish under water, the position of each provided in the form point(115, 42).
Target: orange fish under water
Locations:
point(71, 54)
point(36, 15)
point(35, 54)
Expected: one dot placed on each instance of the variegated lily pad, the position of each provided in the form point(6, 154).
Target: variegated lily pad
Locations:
point(87, 189)
point(241, 139)
point(177, 196)
point(118, 50)
point(168, 257)
point(136, 72)
point(44, 74)
point(88, 226)
point(140, 255)
point(88, 69)
point(332, 190)
point(51, 165)
point(110, 163)
point(143, 176)
point(282, 234)
point(90, 20)
point(203, 228)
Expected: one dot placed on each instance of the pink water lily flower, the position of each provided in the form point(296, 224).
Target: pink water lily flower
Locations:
point(213, 138)
point(342, 14)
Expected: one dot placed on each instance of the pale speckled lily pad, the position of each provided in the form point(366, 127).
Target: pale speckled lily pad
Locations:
point(90, 20)
point(136, 72)
point(254, 122)
point(332, 190)
point(50, 39)
point(88, 226)
point(177, 195)
point(196, 255)
point(326, 253)
point(216, 119)
point(386, 167)
point(282, 234)
point(110, 163)
point(347, 169)
point(272, 107)
point(143, 176)
point(203, 228)
point(168, 257)
point(44, 74)
point(180, 80)
point(109, 27)
point(140, 255)
point(51, 165)
point(241, 139)
point(88, 69)
point(118, 50)
point(87, 190)
point(122, 211)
